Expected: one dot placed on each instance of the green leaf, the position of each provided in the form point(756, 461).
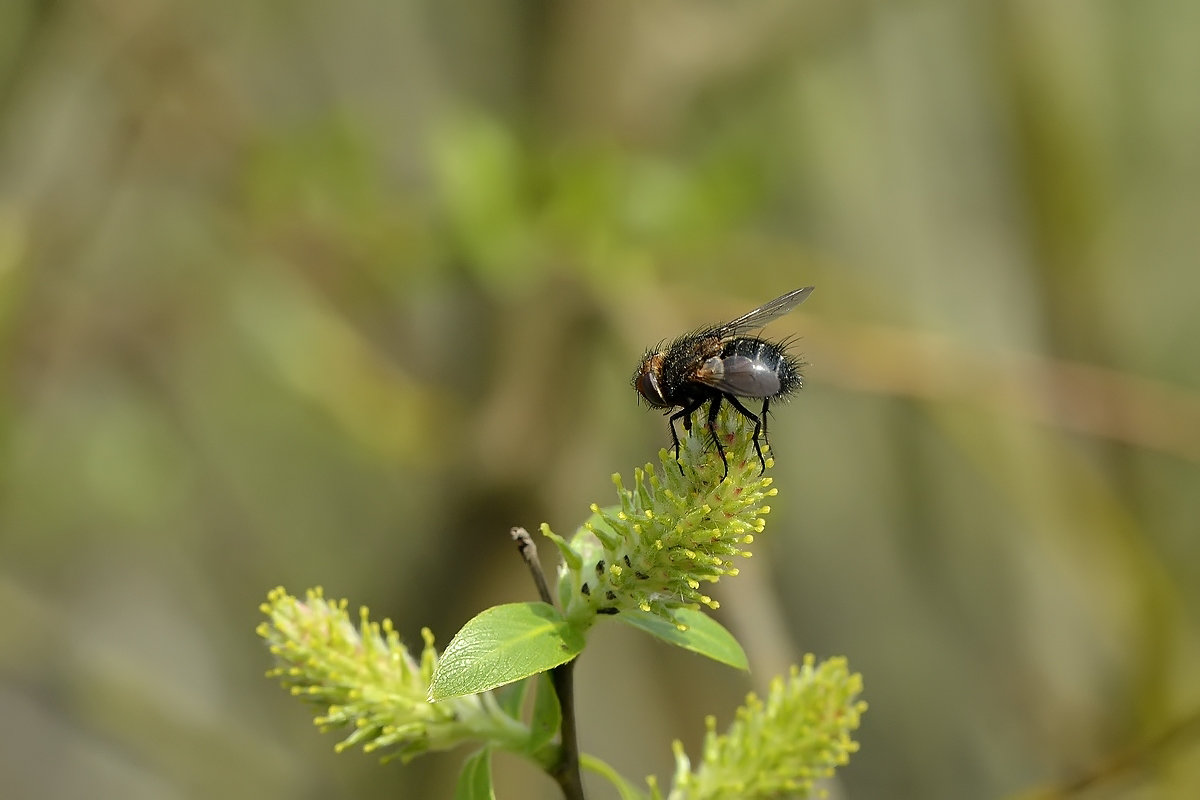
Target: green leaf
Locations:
point(475, 778)
point(704, 635)
point(504, 644)
point(623, 787)
point(547, 714)
point(511, 698)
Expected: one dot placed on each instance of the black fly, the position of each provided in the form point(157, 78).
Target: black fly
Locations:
point(722, 363)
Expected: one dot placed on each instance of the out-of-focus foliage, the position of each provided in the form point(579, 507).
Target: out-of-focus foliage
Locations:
point(259, 260)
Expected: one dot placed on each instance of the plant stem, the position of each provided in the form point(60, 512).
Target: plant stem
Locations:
point(530, 554)
point(566, 771)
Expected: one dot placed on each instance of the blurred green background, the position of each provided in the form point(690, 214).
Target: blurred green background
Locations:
point(309, 293)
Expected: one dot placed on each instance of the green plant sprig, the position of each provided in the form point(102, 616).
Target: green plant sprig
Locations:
point(643, 561)
point(369, 683)
point(781, 746)
point(671, 533)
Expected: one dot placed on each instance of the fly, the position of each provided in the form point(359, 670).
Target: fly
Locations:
point(722, 363)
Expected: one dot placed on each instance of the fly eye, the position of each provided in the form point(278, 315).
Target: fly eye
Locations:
point(647, 386)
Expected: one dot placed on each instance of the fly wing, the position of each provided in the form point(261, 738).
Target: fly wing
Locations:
point(765, 313)
point(741, 376)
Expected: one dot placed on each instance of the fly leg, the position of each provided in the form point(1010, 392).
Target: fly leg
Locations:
point(763, 416)
point(712, 428)
point(758, 426)
point(686, 415)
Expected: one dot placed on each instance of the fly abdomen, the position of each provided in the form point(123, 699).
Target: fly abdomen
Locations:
point(751, 367)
